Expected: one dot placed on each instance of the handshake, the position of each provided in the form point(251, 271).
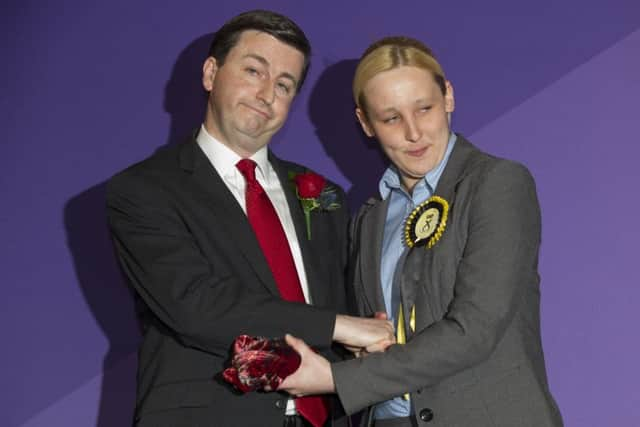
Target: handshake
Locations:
point(260, 363)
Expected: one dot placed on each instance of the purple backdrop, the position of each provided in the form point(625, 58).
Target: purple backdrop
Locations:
point(90, 89)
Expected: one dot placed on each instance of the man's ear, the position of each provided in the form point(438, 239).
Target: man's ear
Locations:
point(364, 122)
point(209, 70)
point(449, 100)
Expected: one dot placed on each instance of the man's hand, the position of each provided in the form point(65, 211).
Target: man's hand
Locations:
point(313, 376)
point(360, 333)
point(375, 347)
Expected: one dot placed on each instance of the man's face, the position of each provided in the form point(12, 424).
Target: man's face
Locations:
point(250, 95)
point(408, 114)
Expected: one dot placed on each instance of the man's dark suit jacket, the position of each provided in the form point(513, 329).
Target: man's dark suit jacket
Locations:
point(189, 252)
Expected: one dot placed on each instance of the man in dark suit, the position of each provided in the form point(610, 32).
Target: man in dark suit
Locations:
point(213, 238)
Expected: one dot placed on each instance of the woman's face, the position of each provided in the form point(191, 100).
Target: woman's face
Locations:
point(409, 116)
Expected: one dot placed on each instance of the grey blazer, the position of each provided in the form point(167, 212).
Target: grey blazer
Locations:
point(475, 358)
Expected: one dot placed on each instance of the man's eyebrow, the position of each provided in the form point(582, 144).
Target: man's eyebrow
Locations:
point(258, 58)
point(263, 61)
point(424, 100)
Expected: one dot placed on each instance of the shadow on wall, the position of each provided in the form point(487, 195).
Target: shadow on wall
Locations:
point(184, 97)
point(332, 112)
point(111, 302)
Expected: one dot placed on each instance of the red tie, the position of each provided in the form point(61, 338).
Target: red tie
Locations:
point(275, 247)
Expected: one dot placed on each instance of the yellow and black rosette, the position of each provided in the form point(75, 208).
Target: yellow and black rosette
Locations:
point(426, 223)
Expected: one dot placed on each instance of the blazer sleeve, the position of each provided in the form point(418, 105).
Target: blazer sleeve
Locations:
point(200, 300)
point(499, 259)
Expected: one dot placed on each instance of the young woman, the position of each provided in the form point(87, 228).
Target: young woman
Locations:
point(449, 251)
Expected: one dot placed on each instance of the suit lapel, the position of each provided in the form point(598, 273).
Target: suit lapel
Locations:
point(226, 212)
point(455, 170)
point(371, 235)
point(314, 273)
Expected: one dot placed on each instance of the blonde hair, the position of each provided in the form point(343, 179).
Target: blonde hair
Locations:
point(393, 52)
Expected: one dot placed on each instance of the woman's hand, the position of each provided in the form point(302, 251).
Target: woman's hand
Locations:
point(314, 374)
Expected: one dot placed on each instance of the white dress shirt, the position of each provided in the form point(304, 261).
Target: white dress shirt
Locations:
point(224, 161)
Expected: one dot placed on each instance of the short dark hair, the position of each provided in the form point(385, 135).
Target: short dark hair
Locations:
point(275, 24)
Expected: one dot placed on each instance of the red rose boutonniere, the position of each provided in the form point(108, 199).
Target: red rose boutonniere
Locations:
point(314, 193)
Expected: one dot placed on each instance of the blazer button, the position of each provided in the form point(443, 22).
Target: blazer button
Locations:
point(280, 404)
point(426, 415)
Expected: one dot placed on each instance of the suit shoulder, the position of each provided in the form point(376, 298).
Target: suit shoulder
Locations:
point(497, 174)
point(511, 170)
point(157, 167)
point(482, 163)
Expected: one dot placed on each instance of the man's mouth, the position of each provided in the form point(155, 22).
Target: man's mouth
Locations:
point(266, 114)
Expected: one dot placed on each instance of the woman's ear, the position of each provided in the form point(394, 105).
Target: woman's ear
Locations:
point(364, 122)
point(449, 100)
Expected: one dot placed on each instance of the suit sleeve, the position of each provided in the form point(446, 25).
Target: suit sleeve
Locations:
point(200, 300)
point(499, 259)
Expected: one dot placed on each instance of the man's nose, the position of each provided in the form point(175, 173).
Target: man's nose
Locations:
point(267, 92)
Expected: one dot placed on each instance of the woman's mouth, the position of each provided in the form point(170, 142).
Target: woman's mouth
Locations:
point(417, 152)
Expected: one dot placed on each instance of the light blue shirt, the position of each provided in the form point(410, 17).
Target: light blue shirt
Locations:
point(401, 203)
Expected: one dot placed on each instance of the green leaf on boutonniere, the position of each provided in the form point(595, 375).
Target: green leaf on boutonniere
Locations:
point(314, 193)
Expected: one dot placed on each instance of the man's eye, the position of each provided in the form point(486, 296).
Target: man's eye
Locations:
point(283, 88)
point(425, 109)
point(252, 71)
point(391, 119)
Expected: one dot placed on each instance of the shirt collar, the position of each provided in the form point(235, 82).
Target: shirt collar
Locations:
point(391, 178)
point(224, 159)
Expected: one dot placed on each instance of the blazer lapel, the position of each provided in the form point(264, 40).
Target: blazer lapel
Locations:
point(226, 212)
point(370, 240)
point(419, 258)
point(455, 170)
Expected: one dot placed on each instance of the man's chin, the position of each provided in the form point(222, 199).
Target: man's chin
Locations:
point(251, 143)
point(258, 133)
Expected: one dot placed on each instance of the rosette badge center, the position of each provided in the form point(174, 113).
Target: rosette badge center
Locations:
point(426, 223)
